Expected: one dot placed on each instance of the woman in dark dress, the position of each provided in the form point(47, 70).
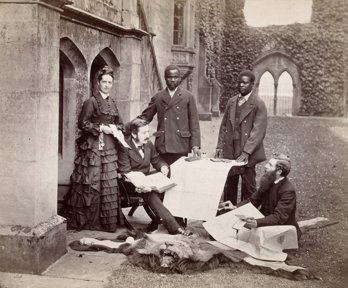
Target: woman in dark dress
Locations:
point(93, 201)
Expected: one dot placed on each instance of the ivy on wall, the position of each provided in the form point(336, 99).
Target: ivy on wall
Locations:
point(211, 26)
point(319, 48)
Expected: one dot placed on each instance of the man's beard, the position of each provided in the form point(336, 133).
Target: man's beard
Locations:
point(267, 180)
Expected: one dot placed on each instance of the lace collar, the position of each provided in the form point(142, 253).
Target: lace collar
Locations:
point(106, 106)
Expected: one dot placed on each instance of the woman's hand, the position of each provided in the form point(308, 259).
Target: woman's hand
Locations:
point(165, 170)
point(105, 129)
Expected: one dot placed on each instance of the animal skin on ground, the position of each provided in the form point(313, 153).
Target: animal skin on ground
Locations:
point(164, 253)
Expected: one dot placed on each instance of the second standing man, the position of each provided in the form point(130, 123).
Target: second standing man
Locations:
point(241, 135)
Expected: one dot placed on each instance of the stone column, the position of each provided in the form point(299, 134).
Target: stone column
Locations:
point(32, 235)
point(275, 99)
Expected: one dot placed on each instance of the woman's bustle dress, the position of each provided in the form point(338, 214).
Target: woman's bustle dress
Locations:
point(93, 201)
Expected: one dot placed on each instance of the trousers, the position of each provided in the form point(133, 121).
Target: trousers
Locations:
point(154, 201)
point(248, 175)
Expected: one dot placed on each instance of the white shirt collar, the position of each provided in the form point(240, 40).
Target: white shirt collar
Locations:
point(104, 95)
point(278, 180)
point(246, 97)
point(171, 93)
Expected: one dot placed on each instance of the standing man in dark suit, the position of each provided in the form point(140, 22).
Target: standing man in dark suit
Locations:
point(139, 158)
point(178, 131)
point(276, 196)
point(241, 135)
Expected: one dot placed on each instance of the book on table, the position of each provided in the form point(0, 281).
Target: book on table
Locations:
point(157, 182)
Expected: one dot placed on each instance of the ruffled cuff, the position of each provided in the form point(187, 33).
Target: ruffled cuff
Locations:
point(93, 128)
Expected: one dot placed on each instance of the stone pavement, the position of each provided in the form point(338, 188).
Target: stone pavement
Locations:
point(77, 269)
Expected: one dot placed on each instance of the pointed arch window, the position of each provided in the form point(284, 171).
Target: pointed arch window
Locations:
point(278, 96)
point(266, 91)
point(285, 94)
point(179, 22)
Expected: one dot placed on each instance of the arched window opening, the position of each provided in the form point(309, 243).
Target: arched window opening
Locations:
point(178, 31)
point(266, 91)
point(285, 94)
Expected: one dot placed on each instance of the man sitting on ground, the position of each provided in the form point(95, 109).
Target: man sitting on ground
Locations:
point(139, 158)
point(276, 196)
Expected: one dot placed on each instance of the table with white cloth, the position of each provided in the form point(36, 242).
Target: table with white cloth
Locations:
point(200, 185)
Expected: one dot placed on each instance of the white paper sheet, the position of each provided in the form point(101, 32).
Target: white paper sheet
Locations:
point(119, 135)
point(272, 264)
point(157, 181)
point(199, 188)
point(265, 243)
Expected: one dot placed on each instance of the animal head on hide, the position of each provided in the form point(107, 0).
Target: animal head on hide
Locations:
point(164, 253)
point(173, 248)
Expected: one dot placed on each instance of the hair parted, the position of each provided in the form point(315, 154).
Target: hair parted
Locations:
point(283, 163)
point(136, 123)
point(106, 70)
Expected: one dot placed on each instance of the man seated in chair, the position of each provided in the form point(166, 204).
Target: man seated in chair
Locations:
point(141, 154)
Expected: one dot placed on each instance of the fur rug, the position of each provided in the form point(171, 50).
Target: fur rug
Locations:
point(164, 253)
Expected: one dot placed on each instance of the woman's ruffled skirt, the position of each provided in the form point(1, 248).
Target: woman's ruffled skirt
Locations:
point(93, 201)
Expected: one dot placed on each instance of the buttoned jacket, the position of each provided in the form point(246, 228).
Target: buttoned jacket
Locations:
point(278, 204)
point(252, 123)
point(131, 159)
point(178, 124)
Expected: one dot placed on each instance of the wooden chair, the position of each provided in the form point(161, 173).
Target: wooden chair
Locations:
point(129, 200)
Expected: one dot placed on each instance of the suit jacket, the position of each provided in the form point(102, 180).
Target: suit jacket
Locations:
point(278, 205)
point(178, 124)
point(131, 160)
point(253, 125)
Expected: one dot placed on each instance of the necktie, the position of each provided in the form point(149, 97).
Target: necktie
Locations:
point(241, 100)
point(141, 150)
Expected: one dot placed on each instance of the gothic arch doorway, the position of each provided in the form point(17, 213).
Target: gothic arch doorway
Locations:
point(286, 93)
point(105, 58)
point(72, 90)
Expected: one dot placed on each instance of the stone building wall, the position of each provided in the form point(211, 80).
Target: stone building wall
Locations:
point(159, 14)
point(28, 87)
point(32, 235)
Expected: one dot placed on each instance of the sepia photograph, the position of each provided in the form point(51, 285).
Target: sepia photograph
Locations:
point(173, 143)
